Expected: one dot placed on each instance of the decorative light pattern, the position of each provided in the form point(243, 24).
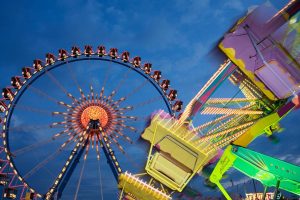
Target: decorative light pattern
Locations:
point(229, 111)
point(87, 114)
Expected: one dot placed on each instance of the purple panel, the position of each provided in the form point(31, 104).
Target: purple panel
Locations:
point(262, 24)
point(285, 109)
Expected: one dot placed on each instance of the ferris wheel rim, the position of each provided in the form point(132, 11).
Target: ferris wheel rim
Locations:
point(37, 74)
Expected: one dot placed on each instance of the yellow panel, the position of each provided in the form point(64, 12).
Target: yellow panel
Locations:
point(178, 151)
point(167, 172)
point(179, 156)
point(256, 129)
point(139, 189)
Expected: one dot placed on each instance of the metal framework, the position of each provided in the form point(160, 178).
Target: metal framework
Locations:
point(20, 84)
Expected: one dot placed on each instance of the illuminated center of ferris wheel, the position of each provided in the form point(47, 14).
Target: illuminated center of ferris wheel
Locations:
point(94, 118)
point(94, 113)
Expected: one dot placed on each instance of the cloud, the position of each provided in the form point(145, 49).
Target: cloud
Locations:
point(235, 5)
point(240, 181)
point(291, 158)
point(192, 11)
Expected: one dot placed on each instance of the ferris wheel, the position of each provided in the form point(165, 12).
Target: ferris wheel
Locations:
point(59, 114)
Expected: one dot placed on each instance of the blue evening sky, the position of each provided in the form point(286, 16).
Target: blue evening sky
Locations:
point(176, 36)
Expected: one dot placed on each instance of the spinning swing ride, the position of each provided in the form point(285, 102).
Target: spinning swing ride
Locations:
point(263, 62)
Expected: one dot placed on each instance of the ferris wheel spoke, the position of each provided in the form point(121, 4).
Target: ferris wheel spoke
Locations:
point(100, 178)
point(31, 147)
point(79, 181)
point(64, 104)
point(122, 125)
point(71, 138)
point(126, 117)
point(76, 83)
point(97, 149)
point(61, 123)
point(132, 162)
point(61, 87)
point(92, 93)
point(115, 104)
point(122, 81)
point(57, 83)
point(124, 109)
point(112, 138)
point(142, 118)
point(147, 102)
point(70, 71)
point(136, 89)
point(125, 137)
point(87, 148)
point(67, 131)
point(43, 163)
point(109, 98)
point(107, 72)
point(28, 127)
point(42, 94)
point(32, 109)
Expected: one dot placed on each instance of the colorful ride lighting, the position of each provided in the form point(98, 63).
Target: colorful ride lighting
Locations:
point(75, 51)
point(229, 100)
point(218, 134)
point(140, 189)
point(197, 103)
point(103, 114)
point(177, 157)
point(229, 111)
point(94, 113)
point(207, 124)
point(88, 114)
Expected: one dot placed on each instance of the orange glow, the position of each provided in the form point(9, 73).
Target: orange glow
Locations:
point(94, 113)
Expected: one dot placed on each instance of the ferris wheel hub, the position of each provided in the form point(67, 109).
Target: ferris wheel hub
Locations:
point(94, 113)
